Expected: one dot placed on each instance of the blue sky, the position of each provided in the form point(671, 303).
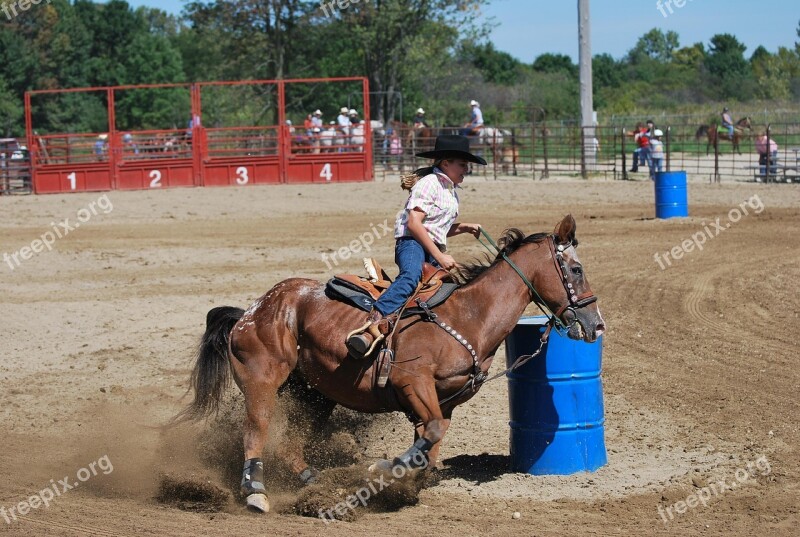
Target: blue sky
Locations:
point(528, 28)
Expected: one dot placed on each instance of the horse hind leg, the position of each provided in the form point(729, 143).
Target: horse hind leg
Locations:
point(259, 375)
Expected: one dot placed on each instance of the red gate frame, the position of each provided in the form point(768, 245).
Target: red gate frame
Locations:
point(201, 167)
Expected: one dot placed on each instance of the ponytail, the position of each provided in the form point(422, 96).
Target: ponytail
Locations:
point(408, 180)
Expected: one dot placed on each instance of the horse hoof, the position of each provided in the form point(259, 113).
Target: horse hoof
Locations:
point(258, 503)
point(380, 466)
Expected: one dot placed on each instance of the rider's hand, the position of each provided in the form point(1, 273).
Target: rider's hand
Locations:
point(446, 261)
point(472, 229)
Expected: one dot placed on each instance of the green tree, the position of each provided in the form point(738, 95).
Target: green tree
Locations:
point(655, 45)
point(496, 66)
point(728, 69)
point(555, 63)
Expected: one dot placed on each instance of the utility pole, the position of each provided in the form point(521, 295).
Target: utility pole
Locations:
point(587, 104)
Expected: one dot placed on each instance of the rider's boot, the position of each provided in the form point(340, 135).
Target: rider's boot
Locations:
point(363, 341)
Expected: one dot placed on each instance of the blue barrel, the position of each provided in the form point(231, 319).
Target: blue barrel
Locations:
point(671, 196)
point(556, 402)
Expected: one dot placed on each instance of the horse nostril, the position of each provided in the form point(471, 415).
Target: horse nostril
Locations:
point(599, 329)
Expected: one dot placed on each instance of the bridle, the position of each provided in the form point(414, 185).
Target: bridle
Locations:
point(574, 301)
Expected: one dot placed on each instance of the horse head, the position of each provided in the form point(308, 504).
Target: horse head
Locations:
point(745, 123)
point(561, 284)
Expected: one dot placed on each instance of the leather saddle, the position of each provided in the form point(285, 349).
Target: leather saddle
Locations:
point(436, 285)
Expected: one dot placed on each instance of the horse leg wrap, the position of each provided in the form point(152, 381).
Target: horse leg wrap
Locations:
point(253, 478)
point(416, 456)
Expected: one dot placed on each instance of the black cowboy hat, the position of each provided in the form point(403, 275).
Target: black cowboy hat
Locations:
point(452, 146)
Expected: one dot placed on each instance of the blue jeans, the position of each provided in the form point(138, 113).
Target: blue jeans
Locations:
point(409, 256)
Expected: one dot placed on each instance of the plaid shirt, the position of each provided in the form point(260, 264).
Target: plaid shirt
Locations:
point(436, 196)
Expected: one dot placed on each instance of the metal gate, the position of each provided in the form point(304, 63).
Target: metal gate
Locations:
point(219, 134)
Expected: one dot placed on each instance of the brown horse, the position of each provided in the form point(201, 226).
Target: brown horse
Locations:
point(419, 140)
point(295, 334)
point(710, 132)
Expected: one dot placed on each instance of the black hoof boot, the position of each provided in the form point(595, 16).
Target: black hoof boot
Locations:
point(309, 476)
point(252, 487)
point(416, 456)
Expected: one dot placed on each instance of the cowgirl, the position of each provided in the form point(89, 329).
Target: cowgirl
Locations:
point(421, 230)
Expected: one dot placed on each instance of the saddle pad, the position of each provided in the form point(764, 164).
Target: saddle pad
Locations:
point(355, 296)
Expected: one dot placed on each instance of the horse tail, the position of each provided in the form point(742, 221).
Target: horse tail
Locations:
point(211, 371)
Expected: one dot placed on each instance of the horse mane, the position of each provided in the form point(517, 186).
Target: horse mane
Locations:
point(509, 242)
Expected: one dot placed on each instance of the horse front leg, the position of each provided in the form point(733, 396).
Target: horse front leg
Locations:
point(433, 454)
point(420, 395)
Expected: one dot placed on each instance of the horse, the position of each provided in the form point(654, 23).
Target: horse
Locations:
point(710, 132)
point(419, 139)
point(357, 137)
point(295, 334)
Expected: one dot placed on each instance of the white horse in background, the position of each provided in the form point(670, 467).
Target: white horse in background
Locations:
point(493, 138)
point(357, 137)
point(377, 128)
point(330, 139)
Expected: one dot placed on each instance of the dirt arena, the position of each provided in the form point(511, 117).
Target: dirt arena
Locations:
point(700, 367)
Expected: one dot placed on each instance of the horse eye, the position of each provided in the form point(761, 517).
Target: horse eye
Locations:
point(577, 270)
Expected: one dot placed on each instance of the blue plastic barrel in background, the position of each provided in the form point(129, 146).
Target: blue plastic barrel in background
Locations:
point(671, 196)
point(556, 402)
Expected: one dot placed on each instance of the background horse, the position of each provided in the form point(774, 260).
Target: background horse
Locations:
point(295, 331)
point(711, 132)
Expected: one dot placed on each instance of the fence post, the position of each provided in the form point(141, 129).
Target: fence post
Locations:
point(533, 147)
point(624, 157)
point(494, 152)
point(584, 172)
point(716, 178)
point(546, 172)
point(669, 130)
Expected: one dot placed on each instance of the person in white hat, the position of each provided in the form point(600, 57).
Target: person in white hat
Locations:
point(316, 119)
point(101, 146)
point(656, 153)
point(343, 125)
point(419, 119)
point(476, 120)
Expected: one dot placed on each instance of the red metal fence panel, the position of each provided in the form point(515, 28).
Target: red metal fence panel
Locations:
point(214, 148)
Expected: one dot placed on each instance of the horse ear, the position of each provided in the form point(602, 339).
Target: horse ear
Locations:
point(565, 230)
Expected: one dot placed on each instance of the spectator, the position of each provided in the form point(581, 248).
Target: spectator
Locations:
point(419, 119)
point(656, 152)
point(101, 146)
point(642, 140)
point(476, 120)
point(308, 124)
point(767, 154)
point(727, 121)
point(128, 145)
point(316, 120)
point(343, 121)
point(395, 144)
